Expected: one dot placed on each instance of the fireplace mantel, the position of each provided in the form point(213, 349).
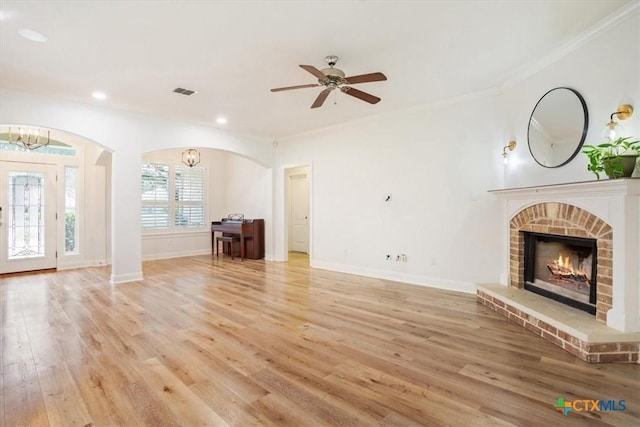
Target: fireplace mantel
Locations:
point(614, 201)
point(606, 187)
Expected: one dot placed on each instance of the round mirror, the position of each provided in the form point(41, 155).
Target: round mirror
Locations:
point(557, 127)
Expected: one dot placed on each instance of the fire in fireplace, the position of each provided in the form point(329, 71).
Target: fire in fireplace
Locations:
point(561, 268)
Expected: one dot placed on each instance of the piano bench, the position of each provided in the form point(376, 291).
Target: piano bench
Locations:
point(227, 239)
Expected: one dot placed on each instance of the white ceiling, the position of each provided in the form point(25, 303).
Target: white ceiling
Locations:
point(233, 52)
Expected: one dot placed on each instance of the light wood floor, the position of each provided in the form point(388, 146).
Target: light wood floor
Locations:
point(205, 341)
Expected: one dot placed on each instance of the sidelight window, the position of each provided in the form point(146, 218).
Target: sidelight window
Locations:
point(70, 210)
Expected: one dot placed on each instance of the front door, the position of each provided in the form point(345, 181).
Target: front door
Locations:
point(27, 217)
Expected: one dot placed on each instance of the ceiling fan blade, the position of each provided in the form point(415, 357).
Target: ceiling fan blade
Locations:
point(320, 99)
point(278, 89)
point(360, 95)
point(366, 78)
point(313, 70)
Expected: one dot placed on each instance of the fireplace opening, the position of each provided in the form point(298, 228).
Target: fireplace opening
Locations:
point(561, 268)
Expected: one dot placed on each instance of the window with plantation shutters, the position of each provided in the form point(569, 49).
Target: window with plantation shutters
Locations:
point(189, 197)
point(173, 197)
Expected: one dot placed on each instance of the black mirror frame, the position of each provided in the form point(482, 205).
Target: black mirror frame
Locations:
point(585, 128)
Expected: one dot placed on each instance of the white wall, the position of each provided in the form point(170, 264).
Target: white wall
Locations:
point(247, 188)
point(437, 164)
point(606, 72)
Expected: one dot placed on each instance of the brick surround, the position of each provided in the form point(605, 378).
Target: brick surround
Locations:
point(565, 220)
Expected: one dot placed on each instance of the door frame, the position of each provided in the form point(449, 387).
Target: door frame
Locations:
point(296, 170)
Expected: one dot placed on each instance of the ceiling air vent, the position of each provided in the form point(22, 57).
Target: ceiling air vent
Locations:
point(186, 92)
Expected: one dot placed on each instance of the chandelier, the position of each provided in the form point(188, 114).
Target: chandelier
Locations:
point(191, 157)
point(29, 140)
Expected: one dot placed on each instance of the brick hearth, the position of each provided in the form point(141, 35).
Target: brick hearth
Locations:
point(575, 331)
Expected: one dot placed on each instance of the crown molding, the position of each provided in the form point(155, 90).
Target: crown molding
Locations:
point(374, 118)
point(565, 49)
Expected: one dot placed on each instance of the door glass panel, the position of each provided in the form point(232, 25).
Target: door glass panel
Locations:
point(26, 215)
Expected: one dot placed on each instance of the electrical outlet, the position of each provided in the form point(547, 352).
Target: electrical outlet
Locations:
point(404, 257)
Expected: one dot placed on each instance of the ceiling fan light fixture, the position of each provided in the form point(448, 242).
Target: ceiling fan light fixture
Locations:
point(334, 78)
point(333, 72)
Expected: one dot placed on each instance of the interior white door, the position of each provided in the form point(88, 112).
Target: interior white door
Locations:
point(28, 217)
point(299, 231)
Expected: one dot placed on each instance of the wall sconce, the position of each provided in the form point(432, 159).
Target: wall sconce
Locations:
point(191, 157)
point(29, 140)
point(505, 156)
point(614, 128)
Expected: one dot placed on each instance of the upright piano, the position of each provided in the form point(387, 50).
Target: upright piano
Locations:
point(250, 231)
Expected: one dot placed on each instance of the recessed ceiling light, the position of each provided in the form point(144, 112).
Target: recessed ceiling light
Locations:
point(221, 120)
point(32, 35)
point(99, 95)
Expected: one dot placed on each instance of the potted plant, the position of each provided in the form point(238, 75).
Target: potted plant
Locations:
point(615, 158)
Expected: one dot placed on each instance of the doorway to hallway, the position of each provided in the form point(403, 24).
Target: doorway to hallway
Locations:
point(298, 209)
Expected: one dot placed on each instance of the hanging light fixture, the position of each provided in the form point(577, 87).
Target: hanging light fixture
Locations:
point(613, 128)
point(191, 157)
point(29, 140)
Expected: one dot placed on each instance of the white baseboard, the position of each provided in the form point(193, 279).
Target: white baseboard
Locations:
point(180, 254)
point(123, 278)
point(413, 279)
point(81, 264)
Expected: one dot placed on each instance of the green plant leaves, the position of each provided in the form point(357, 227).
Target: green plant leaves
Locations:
point(600, 155)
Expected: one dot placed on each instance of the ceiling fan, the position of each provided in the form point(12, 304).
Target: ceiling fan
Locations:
point(334, 78)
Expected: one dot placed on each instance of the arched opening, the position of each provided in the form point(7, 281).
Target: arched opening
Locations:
point(55, 202)
point(231, 184)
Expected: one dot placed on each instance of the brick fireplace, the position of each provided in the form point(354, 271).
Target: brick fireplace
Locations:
point(564, 220)
point(606, 211)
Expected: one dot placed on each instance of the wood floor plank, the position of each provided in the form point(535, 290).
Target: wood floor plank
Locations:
point(503, 406)
point(23, 398)
point(277, 411)
point(210, 341)
point(240, 356)
point(64, 403)
point(149, 410)
point(428, 407)
point(317, 408)
point(181, 401)
point(230, 408)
